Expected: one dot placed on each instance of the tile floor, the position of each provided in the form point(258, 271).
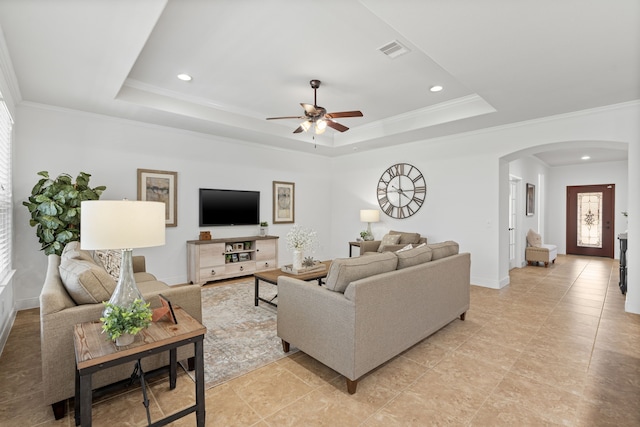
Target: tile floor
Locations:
point(555, 347)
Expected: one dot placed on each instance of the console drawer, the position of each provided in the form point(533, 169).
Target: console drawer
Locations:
point(240, 268)
point(269, 264)
point(212, 273)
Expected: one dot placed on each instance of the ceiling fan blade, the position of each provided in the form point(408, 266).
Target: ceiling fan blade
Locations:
point(299, 129)
point(344, 114)
point(310, 109)
point(286, 117)
point(337, 126)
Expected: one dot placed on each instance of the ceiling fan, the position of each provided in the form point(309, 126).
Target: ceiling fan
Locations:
point(318, 116)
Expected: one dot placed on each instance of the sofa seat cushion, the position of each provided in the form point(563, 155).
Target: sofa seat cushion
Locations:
point(346, 270)
point(414, 256)
point(406, 238)
point(85, 281)
point(143, 276)
point(152, 287)
point(388, 240)
point(444, 249)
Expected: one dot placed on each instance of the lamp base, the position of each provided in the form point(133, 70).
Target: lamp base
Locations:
point(126, 291)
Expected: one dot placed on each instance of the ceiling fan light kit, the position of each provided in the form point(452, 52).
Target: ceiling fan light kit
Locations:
point(318, 116)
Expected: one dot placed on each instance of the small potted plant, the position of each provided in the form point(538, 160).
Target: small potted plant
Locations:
point(365, 235)
point(123, 323)
point(264, 228)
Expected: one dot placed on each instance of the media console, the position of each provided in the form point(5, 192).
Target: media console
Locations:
point(216, 259)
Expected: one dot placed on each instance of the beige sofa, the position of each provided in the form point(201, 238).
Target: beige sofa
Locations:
point(373, 307)
point(372, 246)
point(59, 312)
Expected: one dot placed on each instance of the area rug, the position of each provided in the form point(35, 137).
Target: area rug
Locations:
point(240, 336)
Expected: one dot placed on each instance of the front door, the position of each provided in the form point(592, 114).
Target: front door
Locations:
point(590, 217)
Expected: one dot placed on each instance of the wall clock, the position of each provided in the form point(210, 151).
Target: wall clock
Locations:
point(401, 190)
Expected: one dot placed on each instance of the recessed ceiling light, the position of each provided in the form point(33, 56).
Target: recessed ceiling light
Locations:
point(436, 88)
point(585, 157)
point(184, 77)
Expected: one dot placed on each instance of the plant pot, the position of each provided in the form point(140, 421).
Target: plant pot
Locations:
point(125, 339)
point(263, 231)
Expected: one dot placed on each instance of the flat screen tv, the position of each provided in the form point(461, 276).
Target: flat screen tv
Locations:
point(229, 207)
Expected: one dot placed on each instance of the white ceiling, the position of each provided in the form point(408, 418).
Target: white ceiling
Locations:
point(500, 62)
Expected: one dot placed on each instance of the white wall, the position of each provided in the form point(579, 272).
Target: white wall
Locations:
point(588, 174)
point(467, 178)
point(460, 205)
point(111, 151)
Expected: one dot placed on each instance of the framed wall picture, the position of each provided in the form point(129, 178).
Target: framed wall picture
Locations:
point(284, 202)
point(531, 199)
point(160, 186)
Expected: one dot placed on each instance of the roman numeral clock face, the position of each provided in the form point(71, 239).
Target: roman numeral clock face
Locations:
point(401, 190)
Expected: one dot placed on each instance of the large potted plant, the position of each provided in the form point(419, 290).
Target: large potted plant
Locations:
point(54, 205)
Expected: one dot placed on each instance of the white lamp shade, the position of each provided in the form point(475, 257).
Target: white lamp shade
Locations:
point(369, 215)
point(121, 224)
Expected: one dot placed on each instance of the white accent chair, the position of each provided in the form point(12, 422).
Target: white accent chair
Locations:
point(537, 251)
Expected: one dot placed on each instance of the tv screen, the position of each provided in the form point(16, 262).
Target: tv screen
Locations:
point(229, 207)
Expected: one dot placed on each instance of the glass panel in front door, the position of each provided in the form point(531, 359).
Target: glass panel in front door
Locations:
point(590, 220)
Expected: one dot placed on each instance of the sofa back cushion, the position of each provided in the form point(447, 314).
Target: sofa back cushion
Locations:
point(346, 270)
point(414, 256)
point(406, 238)
point(86, 281)
point(444, 249)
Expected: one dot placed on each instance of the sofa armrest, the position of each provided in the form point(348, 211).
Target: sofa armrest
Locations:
point(317, 321)
point(369, 246)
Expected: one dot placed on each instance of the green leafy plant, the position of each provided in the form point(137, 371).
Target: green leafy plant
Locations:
point(264, 224)
point(126, 320)
point(54, 205)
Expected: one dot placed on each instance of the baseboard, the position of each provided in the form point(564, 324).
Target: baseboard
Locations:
point(6, 329)
point(26, 304)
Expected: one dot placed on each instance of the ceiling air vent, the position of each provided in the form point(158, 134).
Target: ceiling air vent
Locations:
point(393, 49)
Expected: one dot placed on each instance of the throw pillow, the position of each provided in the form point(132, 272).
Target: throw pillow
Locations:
point(534, 239)
point(414, 256)
point(111, 260)
point(86, 282)
point(72, 251)
point(388, 239)
point(346, 270)
point(406, 248)
point(444, 249)
point(406, 237)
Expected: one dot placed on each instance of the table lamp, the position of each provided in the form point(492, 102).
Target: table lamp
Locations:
point(122, 224)
point(369, 216)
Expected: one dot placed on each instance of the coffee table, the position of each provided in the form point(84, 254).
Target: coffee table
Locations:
point(271, 276)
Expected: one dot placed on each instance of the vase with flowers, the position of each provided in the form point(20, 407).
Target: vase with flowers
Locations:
point(300, 239)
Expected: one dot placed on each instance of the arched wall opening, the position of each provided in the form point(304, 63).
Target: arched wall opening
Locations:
point(549, 218)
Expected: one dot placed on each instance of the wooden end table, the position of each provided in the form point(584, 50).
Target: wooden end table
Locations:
point(271, 276)
point(352, 245)
point(94, 352)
